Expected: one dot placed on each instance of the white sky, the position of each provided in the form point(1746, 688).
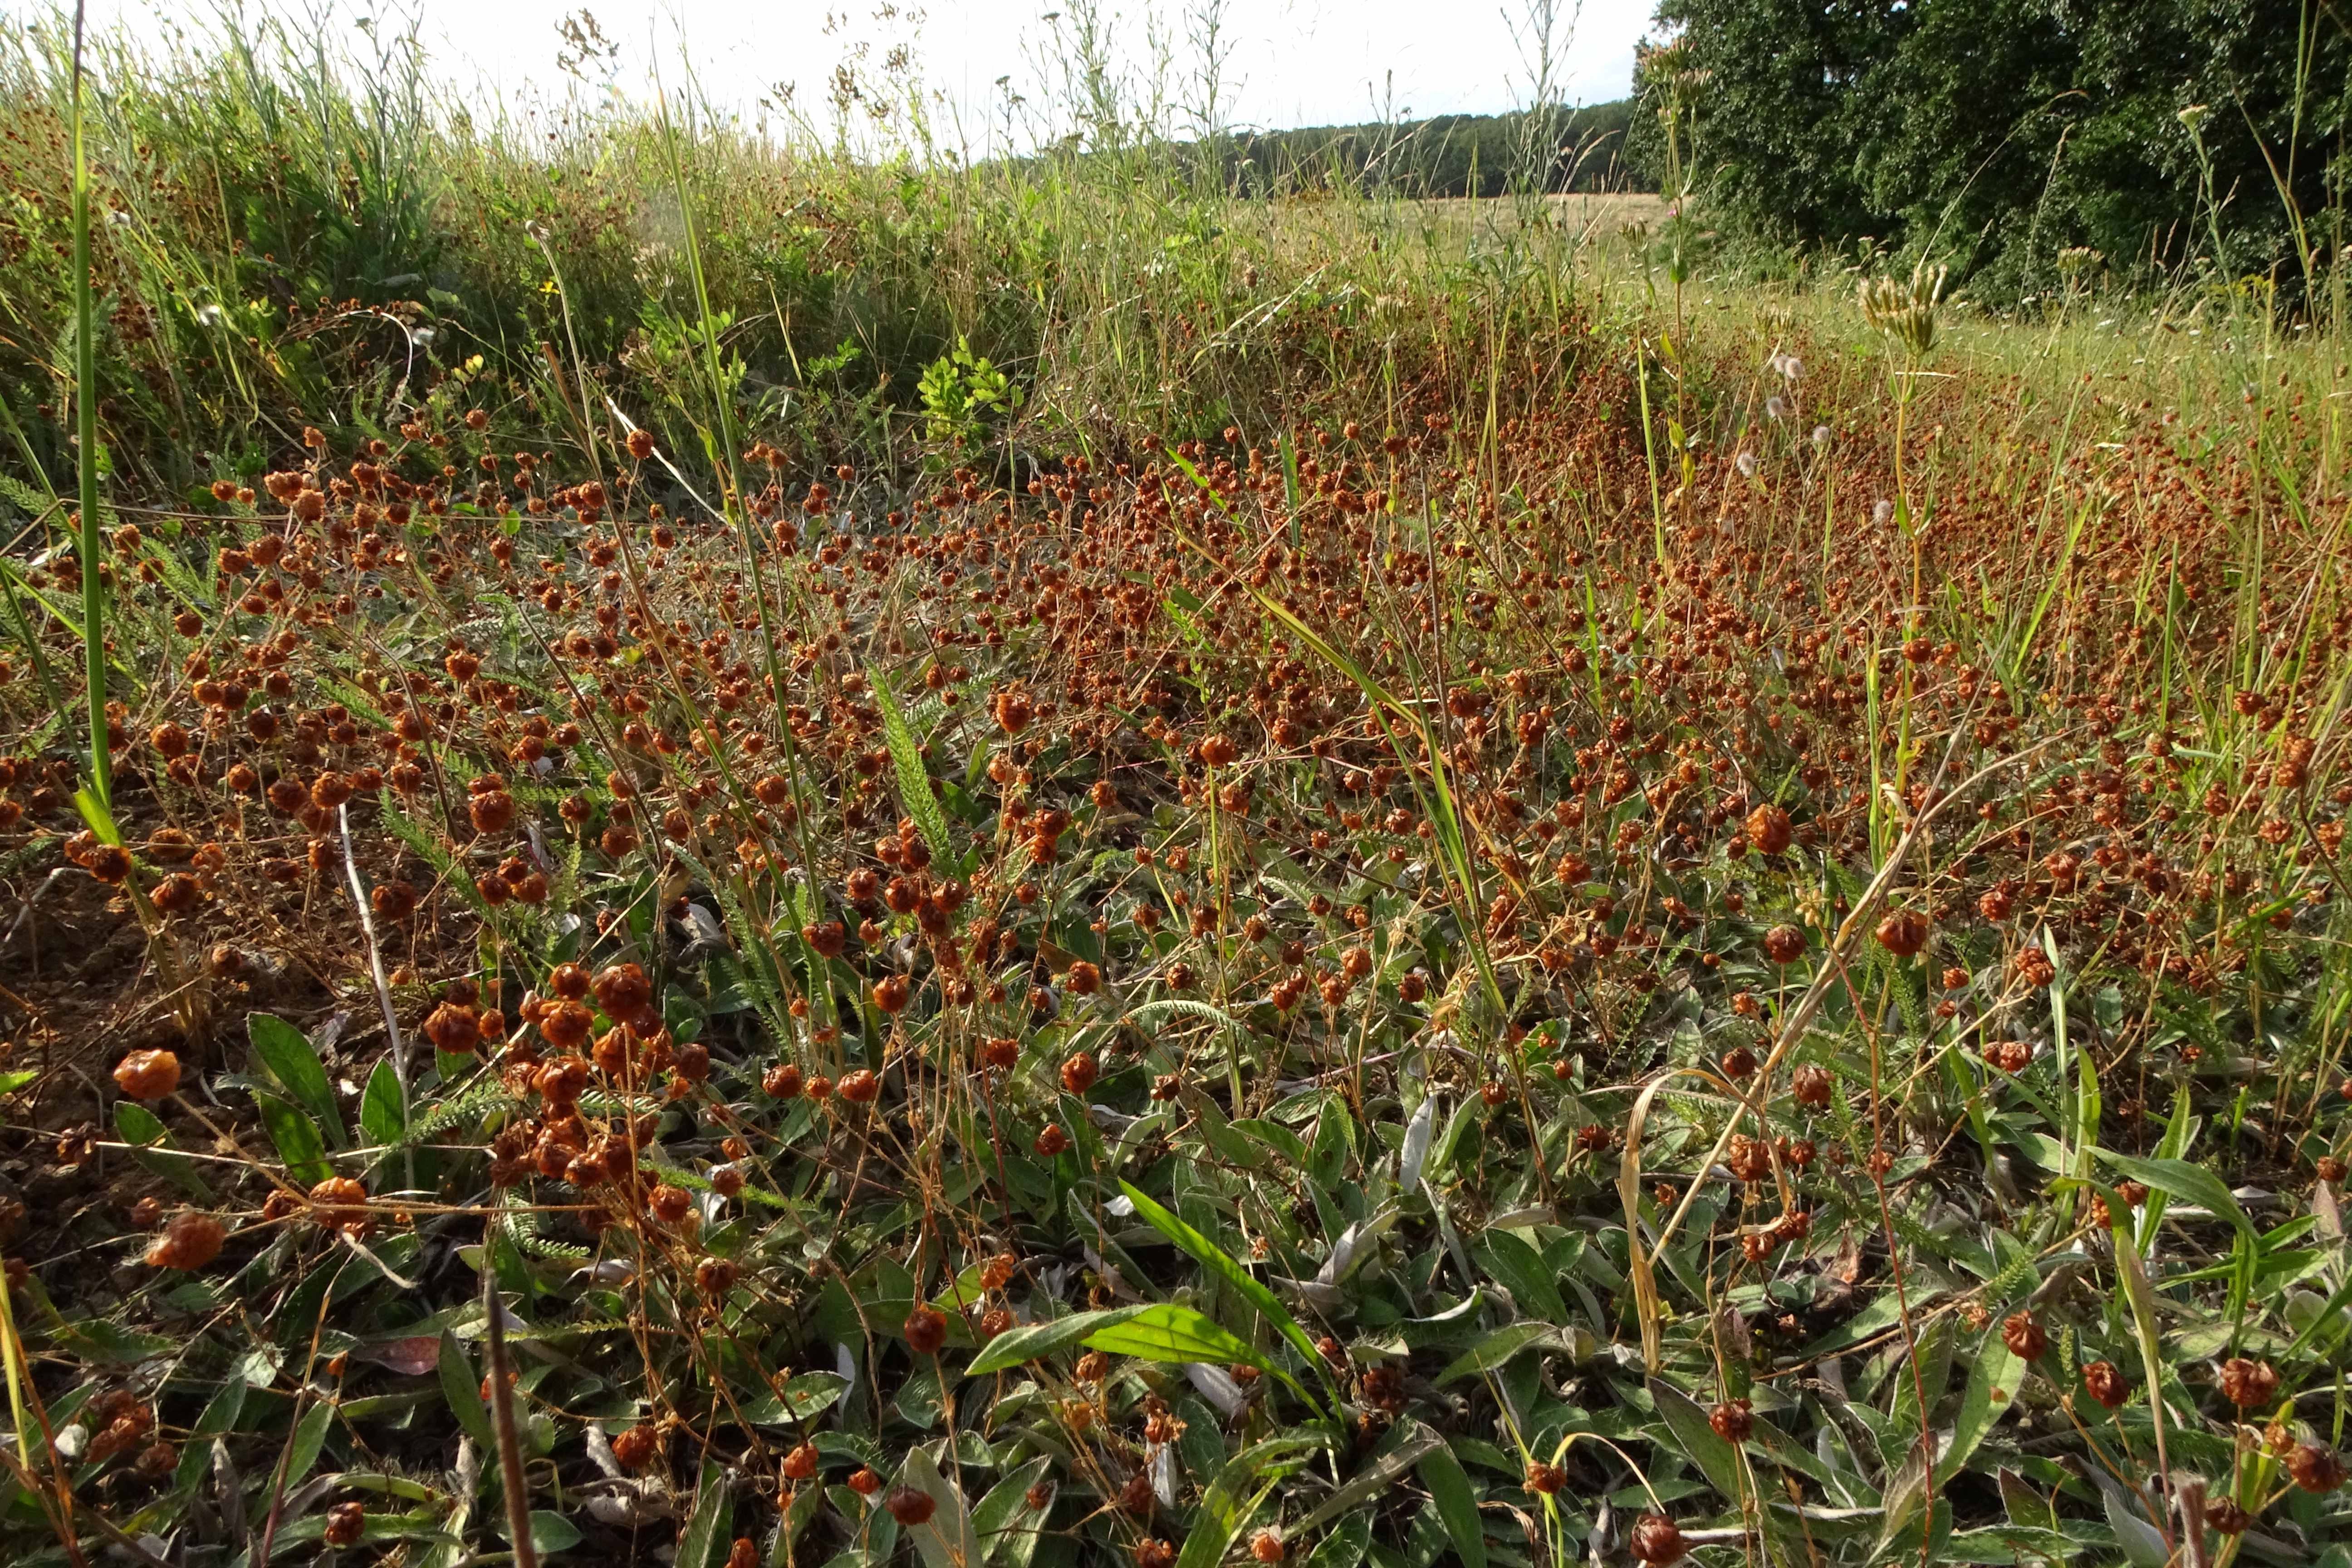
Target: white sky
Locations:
point(1296, 62)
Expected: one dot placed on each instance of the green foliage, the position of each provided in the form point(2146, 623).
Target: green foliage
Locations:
point(2005, 133)
point(962, 395)
point(1345, 1058)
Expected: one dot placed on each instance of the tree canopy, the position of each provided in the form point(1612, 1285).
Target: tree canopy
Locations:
point(1999, 134)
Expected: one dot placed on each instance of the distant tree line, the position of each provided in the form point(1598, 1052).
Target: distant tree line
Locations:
point(2022, 140)
point(1564, 149)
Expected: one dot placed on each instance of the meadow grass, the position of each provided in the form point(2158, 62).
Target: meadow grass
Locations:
point(1061, 870)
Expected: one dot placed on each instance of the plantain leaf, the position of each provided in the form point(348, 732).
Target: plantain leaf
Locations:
point(463, 1391)
point(151, 1144)
point(2188, 1182)
point(1225, 1512)
point(1442, 1474)
point(994, 1519)
point(1214, 1259)
point(1035, 1340)
point(948, 1539)
point(1991, 1383)
point(294, 1062)
point(383, 1113)
point(701, 1544)
point(297, 1137)
point(1508, 1342)
point(1174, 1335)
point(1696, 1437)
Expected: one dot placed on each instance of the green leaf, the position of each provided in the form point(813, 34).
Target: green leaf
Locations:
point(1500, 1346)
point(1442, 1474)
point(2142, 1542)
point(1344, 1547)
point(1998, 1372)
point(1007, 1500)
point(948, 1539)
point(2189, 1183)
point(2027, 1508)
point(218, 1419)
point(550, 1532)
point(1520, 1268)
point(805, 1397)
point(707, 1530)
point(10, 1082)
point(914, 780)
point(310, 1438)
point(1215, 1259)
point(1696, 1436)
point(1172, 1334)
point(1379, 1475)
point(298, 1140)
point(383, 1112)
point(294, 1062)
point(140, 1127)
point(463, 1390)
point(1223, 1512)
point(150, 1146)
point(1034, 1341)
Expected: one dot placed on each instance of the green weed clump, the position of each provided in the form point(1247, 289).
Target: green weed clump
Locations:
point(1197, 887)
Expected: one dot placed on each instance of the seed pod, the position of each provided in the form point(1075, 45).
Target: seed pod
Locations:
point(1732, 1420)
point(454, 1030)
point(910, 1507)
point(148, 1075)
point(2316, 1469)
point(340, 1203)
point(1904, 933)
point(191, 1241)
point(635, 1448)
point(2107, 1385)
point(1769, 829)
point(345, 1521)
point(926, 1330)
point(1656, 1541)
point(2248, 1384)
point(2023, 1336)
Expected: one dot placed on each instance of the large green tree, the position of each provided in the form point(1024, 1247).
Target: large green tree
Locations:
point(2000, 133)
